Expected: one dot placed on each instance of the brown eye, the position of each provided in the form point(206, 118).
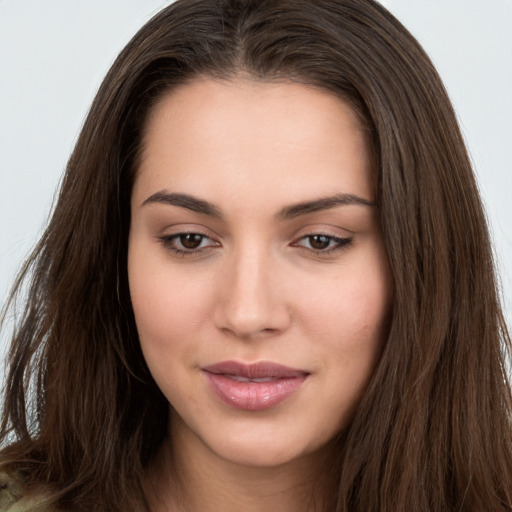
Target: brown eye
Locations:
point(319, 242)
point(322, 244)
point(191, 240)
point(188, 244)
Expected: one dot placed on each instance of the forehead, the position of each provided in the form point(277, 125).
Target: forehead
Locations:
point(209, 135)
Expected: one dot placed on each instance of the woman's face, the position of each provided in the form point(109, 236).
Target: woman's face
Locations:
point(257, 270)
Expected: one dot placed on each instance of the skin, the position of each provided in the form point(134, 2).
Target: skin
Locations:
point(259, 289)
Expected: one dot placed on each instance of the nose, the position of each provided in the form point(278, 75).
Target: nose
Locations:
point(251, 297)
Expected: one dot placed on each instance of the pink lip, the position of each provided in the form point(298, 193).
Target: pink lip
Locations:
point(240, 386)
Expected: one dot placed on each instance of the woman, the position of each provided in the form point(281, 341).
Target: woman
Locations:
point(267, 283)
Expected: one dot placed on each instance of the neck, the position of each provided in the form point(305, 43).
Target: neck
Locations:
point(188, 477)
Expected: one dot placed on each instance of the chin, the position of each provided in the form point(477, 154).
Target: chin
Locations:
point(258, 455)
point(266, 446)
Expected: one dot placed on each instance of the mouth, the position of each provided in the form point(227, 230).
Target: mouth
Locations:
point(253, 387)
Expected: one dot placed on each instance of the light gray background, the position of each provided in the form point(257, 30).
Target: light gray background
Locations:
point(54, 54)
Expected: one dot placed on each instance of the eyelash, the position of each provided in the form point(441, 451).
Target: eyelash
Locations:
point(168, 240)
point(339, 243)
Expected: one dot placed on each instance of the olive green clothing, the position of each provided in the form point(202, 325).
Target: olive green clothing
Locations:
point(12, 500)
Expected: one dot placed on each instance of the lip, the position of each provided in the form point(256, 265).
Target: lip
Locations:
point(253, 387)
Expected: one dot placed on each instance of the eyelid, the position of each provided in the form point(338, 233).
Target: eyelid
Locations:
point(183, 228)
point(167, 240)
point(340, 242)
point(170, 240)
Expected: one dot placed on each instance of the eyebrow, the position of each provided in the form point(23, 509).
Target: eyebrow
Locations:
point(184, 201)
point(288, 212)
point(324, 203)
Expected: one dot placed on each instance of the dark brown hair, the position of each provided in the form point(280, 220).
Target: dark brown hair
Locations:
point(82, 416)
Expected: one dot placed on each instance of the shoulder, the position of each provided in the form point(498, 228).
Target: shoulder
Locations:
point(12, 497)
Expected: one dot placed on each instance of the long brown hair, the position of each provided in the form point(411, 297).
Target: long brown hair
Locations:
point(82, 416)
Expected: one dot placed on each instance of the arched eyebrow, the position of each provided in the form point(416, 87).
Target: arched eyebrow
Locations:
point(323, 203)
point(288, 212)
point(184, 201)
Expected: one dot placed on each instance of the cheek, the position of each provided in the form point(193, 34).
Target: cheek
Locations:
point(354, 306)
point(169, 307)
point(169, 311)
point(349, 319)
point(350, 328)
